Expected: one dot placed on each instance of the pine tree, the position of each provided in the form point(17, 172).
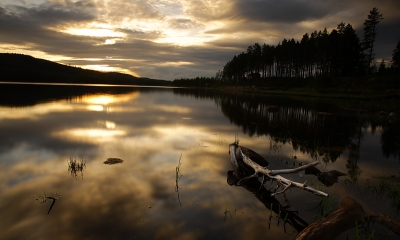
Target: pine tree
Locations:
point(350, 50)
point(396, 58)
point(370, 24)
point(382, 67)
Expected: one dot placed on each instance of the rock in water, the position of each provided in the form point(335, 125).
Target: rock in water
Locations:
point(113, 161)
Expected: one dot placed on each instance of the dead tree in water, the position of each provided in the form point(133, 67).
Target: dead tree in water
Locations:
point(243, 158)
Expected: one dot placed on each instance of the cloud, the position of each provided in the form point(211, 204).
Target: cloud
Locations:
point(49, 14)
point(287, 11)
point(183, 23)
point(119, 11)
point(147, 36)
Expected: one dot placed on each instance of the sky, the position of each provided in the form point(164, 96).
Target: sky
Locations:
point(172, 39)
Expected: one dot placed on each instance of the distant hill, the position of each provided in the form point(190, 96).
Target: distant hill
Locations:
point(25, 68)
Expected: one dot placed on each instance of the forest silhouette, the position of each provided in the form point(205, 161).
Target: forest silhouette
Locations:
point(326, 57)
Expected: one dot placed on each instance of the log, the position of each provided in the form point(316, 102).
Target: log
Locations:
point(344, 218)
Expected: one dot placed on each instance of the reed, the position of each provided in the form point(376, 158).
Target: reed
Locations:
point(226, 212)
point(358, 232)
point(279, 216)
point(270, 217)
point(326, 205)
point(178, 176)
point(386, 189)
point(76, 166)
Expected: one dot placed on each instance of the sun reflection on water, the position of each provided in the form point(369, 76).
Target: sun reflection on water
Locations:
point(89, 135)
point(96, 108)
point(106, 99)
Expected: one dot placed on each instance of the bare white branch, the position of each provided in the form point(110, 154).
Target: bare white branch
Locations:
point(274, 174)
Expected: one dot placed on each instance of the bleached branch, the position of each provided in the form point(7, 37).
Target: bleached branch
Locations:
point(274, 174)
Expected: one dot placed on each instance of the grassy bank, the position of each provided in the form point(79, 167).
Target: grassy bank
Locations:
point(378, 93)
point(375, 87)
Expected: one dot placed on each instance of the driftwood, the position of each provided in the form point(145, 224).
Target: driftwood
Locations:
point(343, 219)
point(240, 155)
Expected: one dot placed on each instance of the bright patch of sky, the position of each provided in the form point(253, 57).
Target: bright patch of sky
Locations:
point(94, 32)
point(147, 36)
point(167, 7)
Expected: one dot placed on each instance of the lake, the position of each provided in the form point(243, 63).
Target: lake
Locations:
point(172, 181)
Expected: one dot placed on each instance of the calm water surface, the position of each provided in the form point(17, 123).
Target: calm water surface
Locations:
point(43, 128)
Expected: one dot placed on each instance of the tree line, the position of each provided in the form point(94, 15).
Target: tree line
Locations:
point(193, 82)
point(339, 53)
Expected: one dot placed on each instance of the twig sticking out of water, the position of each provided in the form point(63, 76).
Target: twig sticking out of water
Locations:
point(178, 176)
point(43, 199)
point(52, 204)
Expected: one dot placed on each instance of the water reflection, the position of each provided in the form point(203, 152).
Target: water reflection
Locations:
point(239, 176)
point(149, 129)
point(318, 127)
point(281, 213)
point(326, 178)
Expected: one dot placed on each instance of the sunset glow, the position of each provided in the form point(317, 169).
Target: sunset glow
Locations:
point(94, 32)
point(171, 39)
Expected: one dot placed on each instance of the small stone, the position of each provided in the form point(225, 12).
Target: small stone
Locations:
point(113, 161)
point(149, 206)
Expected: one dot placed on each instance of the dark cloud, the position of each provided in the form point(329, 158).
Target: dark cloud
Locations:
point(290, 11)
point(29, 26)
point(53, 14)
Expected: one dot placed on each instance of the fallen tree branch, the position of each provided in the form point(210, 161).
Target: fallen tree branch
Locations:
point(303, 186)
point(344, 218)
point(293, 170)
point(237, 155)
point(283, 191)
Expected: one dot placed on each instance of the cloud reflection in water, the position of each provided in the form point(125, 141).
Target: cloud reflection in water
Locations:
point(112, 201)
point(148, 130)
